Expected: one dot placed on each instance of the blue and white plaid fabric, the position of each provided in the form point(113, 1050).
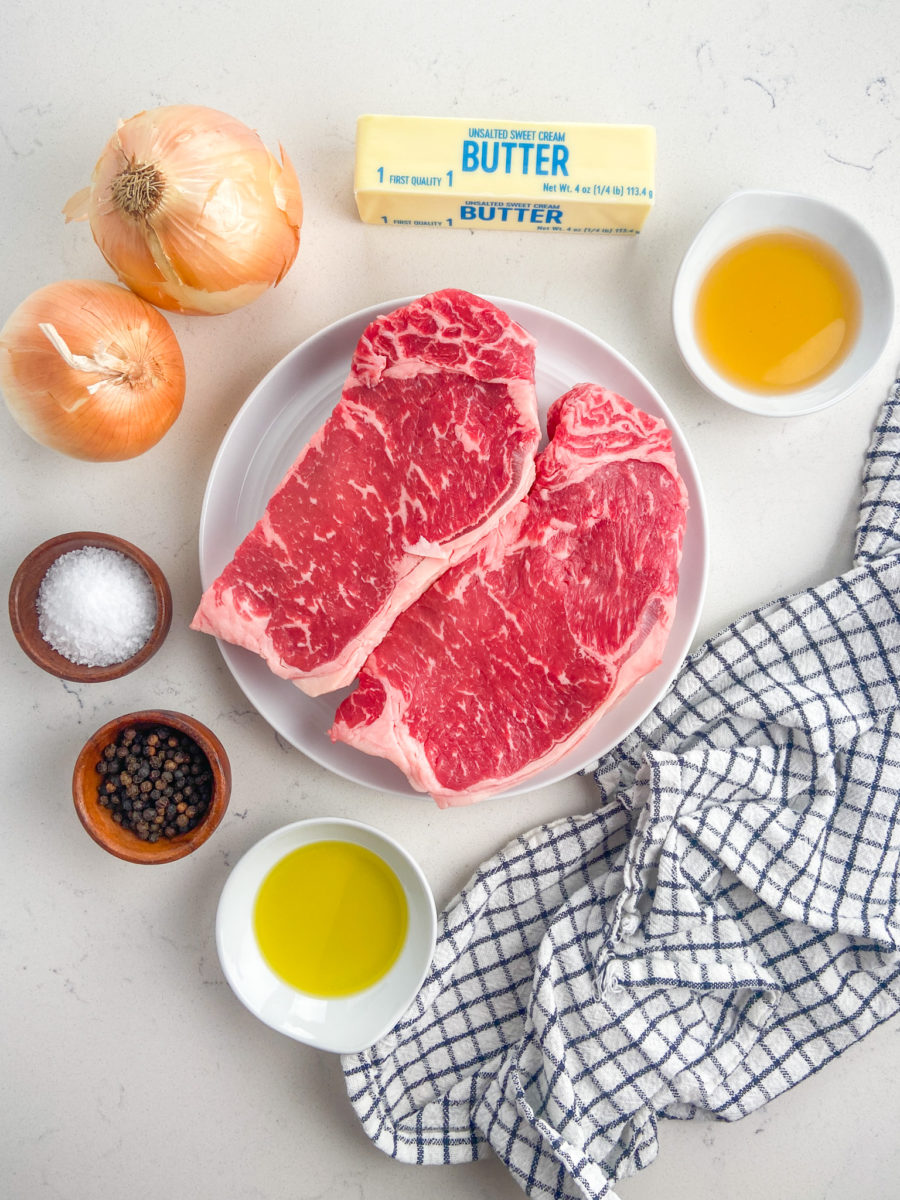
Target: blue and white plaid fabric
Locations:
point(726, 922)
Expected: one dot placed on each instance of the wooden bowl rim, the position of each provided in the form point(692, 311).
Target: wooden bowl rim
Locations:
point(23, 615)
point(98, 821)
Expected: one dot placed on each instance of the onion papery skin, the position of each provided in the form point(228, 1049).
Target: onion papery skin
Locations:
point(102, 415)
point(225, 226)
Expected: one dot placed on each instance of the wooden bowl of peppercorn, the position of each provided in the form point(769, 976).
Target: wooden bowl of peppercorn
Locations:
point(150, 787)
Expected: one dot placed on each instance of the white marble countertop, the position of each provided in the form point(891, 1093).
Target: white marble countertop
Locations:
point(128, 1066)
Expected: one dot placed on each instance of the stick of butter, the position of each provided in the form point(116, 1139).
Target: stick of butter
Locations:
point(451, 172)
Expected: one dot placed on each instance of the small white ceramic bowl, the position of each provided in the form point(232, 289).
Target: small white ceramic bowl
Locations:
point(745, 214)
point(345, 1024)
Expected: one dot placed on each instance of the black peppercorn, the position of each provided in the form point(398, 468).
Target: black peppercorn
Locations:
point(143, 787)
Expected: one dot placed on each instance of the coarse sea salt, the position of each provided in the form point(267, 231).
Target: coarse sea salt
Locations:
point(96, 606)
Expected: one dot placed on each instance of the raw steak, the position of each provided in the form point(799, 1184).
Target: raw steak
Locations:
point(506, 662)
point(432, 442)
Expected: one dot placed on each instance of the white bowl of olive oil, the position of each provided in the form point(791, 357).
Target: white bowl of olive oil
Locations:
point(783, 303)
point(325, 931)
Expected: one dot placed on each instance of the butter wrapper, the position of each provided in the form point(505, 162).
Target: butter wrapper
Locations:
point(455, 173)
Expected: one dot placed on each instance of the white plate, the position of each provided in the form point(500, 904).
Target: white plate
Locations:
point(745, 214)
point(345, 1024)
point(277, 420)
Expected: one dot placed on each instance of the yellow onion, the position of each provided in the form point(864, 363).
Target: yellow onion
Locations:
point(191, 210)
point(91, 370)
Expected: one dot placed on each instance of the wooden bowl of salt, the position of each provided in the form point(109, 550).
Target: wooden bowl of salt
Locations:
point(89, 607)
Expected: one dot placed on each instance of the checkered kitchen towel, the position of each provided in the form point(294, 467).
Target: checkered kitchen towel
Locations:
point(723, 925)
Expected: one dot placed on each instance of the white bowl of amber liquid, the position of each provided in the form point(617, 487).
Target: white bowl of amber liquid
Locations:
point(783, 304)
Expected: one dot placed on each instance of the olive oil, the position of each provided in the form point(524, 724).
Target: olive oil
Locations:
point(330, 918)
point(777, 312)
